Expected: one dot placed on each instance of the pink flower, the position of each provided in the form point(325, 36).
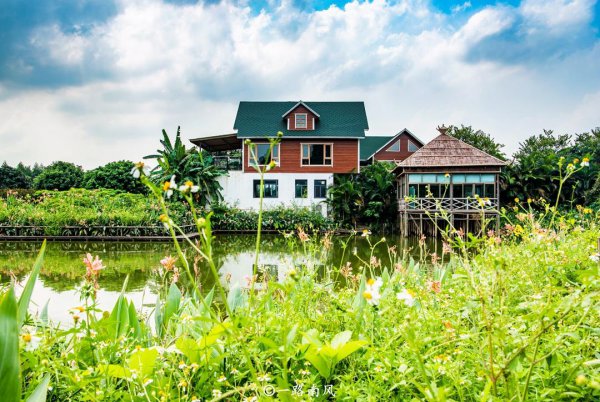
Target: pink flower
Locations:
point(168, 263)
point(92, 265)
point(435, 286)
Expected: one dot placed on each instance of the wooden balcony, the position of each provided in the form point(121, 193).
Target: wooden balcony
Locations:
point(465, 205)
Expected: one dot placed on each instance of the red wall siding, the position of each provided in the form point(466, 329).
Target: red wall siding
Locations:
point(345, 157)
point(385, 155)
point(309, 119)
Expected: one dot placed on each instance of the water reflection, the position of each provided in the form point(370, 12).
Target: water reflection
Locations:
point(63, 269)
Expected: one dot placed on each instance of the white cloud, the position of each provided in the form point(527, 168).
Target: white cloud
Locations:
point(164, 65)
point(558, 14)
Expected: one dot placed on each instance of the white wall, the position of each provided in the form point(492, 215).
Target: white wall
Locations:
point(238, 191)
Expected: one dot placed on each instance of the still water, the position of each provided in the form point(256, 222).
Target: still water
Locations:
point(63, 270)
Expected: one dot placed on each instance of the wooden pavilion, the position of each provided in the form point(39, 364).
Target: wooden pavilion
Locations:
point(447, 182)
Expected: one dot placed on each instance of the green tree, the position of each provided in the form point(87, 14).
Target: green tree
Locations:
point(478, 139)
point(113, 175)
point(59, 176)
point(13, 178)
point(368, 198)
point(174, 159)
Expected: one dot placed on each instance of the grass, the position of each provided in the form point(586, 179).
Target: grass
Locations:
point(511, 316)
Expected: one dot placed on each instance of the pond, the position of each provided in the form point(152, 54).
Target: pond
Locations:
point(63, 270)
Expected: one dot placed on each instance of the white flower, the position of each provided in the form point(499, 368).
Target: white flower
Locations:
point(371, 292)
point(407, 296)
point(188, 186)
point(32, 341)
point(168, 187)
point(139, 169)
point(595, 257)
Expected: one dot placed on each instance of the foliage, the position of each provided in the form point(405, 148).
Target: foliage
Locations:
point(59, 176)
point(535, 168)
point(78, 207)
point(13, 178)
point(478, 139)
point(280, 218)
point(368, 198)
point(113, 175)
point(517, 320)
point(187, 164)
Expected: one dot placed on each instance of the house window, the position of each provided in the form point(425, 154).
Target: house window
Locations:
point(301, 188)
point(316, 154)
point(261, 153)
point(271, 189)
point(395, 147)
point(320, 188)
point(412, 147)
point(300, 120)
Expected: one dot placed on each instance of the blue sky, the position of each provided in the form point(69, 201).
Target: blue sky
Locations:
point(91, 81)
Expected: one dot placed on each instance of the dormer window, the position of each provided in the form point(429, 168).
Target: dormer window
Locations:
point(395, 147)
point(300, 120)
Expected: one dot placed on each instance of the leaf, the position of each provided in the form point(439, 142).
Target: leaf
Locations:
point(143, 361)
point(172, 304)
point(44, 313)
point(40, 392)
point(28, 290)
point(10, 383)
point(114, 370)
point(359, 300)
point(189, 348)
point(319, 363)
point(341, 339)
point(158, 317)
point(120, 317)
point(236, 298)
point(349, 348)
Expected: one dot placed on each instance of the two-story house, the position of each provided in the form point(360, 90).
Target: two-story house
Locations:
point(320, 139)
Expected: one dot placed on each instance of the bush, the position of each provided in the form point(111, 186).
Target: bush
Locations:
point(59, 176)
point(13, 178)
point(276, 219)
point(113, 175)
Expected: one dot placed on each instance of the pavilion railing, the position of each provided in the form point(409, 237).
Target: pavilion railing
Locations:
point(228, 162)
point(449, 204)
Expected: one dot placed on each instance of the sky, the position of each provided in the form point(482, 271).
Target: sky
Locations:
point(94, 81)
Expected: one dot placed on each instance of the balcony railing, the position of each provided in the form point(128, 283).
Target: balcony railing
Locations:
point(228, 162)
point(449, 204)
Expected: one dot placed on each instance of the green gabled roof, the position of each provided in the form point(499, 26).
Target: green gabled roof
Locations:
point(337, 120)
point(371, 144)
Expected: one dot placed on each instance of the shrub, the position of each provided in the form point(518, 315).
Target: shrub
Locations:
point(113, 175)
point(59, 176)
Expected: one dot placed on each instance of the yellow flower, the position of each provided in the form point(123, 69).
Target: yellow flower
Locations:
point(517, 200)
point(26, 338)
point(585, 162)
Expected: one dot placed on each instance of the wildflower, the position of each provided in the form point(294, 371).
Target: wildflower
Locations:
point(595, 257)
point(139, 169)
point(529, 200)
point(585, 162)
point(407, 296)
point(182, 365)
point(378, 369)
point(222, 378)
point(581, 380)
point(435, 286)
point(188, 187)
point(264, 378)
point(302, 235)
point(346, 270)
point(168, 186)
point(216, 393)
point(446, 249)
point(448, 325)
point(304, 372)
point(182, 384)
point(234, 371)
point(148, 382)
point(168, 263)
point(517, 200)
point(92, 265)
point(371, 293)
point(31, 341)
point(271, 165)
point(570, 167)
point(375, 262)
point(366, 233)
